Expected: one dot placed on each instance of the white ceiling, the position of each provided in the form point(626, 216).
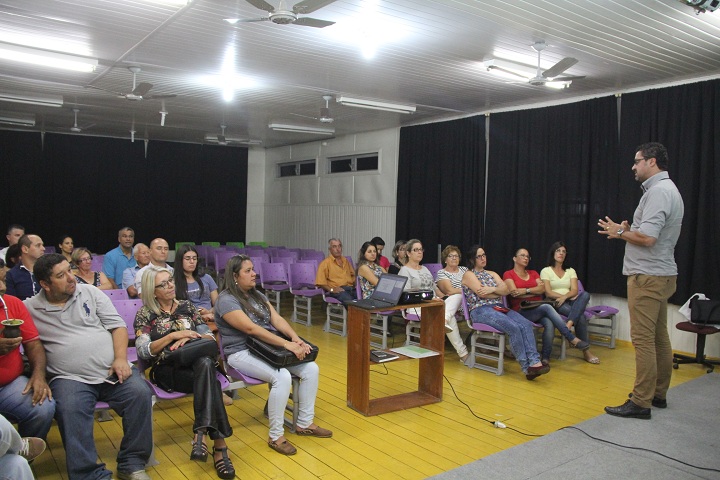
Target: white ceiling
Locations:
point(429, 53)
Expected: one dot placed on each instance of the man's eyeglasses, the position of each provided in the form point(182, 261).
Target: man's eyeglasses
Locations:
point(166, 284)
point(638, 160)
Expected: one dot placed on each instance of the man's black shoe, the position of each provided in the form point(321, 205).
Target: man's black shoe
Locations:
point(656, 402)
point(629, 410)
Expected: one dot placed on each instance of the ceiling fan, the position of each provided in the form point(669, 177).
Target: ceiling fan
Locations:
point(75, 128)
point(542, 77)
point(223, 140)
point(325, 116)
point(283, 16)
point(139, 91)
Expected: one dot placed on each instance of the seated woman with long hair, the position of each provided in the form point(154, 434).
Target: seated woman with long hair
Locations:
point(241, 311)
point(399, 253)
point(65, 247)
point(561, 285)
point(483, 291)
point(368, 272)
point(449, 282)
point(162, 322)
point(525, 284)
point(82, 259)
point(201, 290)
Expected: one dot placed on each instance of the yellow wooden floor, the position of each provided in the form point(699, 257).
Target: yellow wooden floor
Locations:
point(410, 444)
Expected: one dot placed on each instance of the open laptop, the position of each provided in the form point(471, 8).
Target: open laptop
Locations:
point(387, 293)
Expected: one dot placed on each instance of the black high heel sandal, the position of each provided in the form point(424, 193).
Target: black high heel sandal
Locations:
point(224, 466)
point(199, 450)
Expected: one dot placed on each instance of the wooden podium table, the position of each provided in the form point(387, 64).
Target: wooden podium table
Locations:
point(430, 374)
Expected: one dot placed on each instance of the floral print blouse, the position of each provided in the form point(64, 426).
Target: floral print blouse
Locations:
point(150, 326)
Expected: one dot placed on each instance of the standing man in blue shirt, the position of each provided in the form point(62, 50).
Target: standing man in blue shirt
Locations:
point(120, 258)
point(651, 272)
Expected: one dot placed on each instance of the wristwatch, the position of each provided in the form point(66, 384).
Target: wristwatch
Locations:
point(620, 232)
point(527, 291)
point(331, 290)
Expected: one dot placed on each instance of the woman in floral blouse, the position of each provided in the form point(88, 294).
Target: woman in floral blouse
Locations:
point(162, 322)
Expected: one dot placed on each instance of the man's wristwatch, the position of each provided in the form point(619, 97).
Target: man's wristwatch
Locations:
point(331, 290)
point(620, 232)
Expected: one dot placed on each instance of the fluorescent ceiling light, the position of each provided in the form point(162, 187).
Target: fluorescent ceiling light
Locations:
point(559, 85)
point(244, 141)
point(284, 127)
point(33, 56)
point(45, 100)
point(375, 105)
point(20, 119)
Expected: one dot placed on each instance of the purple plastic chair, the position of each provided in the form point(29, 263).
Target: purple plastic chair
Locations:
point(433, 268)
point(117, 294)
point(301, 279)
point(601, 323)
point(127, 309)
point(488, 334)
point(274, 281)
point(221, 259)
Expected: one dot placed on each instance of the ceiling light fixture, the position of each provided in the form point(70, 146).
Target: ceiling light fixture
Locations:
point(285, 127)
point(45, 101)
point(18, 53)
point(18, 119)
point(375, 105)
point(245, 141)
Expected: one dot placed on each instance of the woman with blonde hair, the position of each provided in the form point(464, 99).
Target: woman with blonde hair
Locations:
point(165, 323)
point(82, 259)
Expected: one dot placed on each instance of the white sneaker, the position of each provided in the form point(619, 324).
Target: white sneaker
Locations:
point(139, 475)
point(448, 327)
point(31, 448)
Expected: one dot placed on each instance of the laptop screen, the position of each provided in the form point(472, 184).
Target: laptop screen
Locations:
point(389, 288)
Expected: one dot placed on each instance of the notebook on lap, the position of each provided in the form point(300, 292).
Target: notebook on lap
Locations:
point(387, 293)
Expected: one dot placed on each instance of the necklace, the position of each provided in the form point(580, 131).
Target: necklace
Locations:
point(170, 310)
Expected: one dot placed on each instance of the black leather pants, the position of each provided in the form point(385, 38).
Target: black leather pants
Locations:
point(201, 381)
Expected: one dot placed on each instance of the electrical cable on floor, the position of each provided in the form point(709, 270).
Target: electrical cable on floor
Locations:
point(494, 423)
point(640, 448)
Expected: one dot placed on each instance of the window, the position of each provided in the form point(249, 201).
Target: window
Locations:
point(354, 163)
point(293, 169)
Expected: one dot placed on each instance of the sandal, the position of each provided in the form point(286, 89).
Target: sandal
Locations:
point(594, 360)
point(581, 345)
point(224, 466)
point(284, 447)
point(314, 432)
point(199, 450)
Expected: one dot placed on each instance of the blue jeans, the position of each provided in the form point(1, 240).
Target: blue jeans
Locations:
point(33, 421)
point(347, 295)
point(522, 338)
point(75, 416)
point(550, 320)
point(575, 310)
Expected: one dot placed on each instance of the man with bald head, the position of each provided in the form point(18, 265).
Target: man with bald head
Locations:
point(142, 257)
point(159, 250)
point(20, 281)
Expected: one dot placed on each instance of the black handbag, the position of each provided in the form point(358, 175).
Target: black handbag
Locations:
point(192, 350)
point(705, 311)
point(528, 304)
point(277, 356)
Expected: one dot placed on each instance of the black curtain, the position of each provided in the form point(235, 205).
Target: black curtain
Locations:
point(548, 171)
point(684, 119)
point(89, 187)
point(441, 183)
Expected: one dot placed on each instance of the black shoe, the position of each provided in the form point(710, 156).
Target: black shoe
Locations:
point(629, 410)
point(656, 401)
point(541, 370)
